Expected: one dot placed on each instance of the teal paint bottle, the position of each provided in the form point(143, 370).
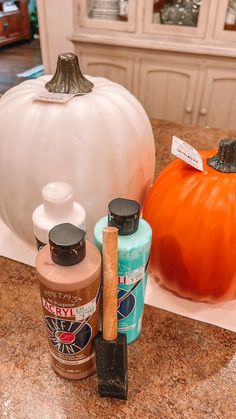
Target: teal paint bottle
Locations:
point(134, 242)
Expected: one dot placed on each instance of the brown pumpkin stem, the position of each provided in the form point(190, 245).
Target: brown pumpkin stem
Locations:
point(68, 77)
point(225, 160)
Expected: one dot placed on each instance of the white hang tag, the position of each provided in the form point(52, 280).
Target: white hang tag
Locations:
point(187, 153)
point(55, 97)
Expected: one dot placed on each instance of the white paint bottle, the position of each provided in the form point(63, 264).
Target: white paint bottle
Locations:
point(57, 207)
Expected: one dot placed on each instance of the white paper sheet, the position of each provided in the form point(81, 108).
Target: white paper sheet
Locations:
point(223, 315)
point(14, 248)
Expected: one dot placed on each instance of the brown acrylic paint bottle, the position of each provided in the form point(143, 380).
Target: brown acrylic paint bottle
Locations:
point(69, 273)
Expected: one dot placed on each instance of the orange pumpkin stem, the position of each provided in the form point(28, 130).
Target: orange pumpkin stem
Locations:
point(225, 160)
point(68, 77)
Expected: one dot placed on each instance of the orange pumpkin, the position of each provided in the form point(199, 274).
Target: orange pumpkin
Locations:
point(193, 217)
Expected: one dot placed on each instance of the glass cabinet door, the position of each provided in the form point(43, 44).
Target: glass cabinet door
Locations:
point(226, 21)
point(230, 17)
point(183, 17)
point(116, 15)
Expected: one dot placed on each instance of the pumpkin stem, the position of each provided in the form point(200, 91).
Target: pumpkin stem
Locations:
point(68, 77)
point(225, 160)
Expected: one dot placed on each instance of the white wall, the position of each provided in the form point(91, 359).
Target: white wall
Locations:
point(55, 26)
point(31, 5)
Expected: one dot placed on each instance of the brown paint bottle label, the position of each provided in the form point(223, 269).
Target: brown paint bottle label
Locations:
point(71, 320)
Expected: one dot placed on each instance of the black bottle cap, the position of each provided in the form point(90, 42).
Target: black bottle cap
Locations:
point(67, 244)
point(124, 214)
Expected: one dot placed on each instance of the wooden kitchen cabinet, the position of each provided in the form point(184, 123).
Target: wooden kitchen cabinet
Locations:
point(166, 66)
point(14, 24)
point(182, 70)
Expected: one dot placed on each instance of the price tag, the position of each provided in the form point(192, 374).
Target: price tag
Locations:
point(187, 153)
point(87, 310)
point(55, 97)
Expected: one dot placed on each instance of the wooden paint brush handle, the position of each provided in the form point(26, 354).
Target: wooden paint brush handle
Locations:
point(110, 282)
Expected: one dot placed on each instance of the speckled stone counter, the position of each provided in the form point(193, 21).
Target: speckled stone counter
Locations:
point(179, 368)
point(201, 138)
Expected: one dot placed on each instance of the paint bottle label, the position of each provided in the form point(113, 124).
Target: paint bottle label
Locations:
point(132, 280)
point(71, 320)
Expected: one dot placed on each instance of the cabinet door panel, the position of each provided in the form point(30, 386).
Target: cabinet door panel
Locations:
point(173, 28)
point(218, 106)
point(15, 25)
point(225, 29)
point(168, 91)
point(4, 31)
point(117, 69)
point(83, 19)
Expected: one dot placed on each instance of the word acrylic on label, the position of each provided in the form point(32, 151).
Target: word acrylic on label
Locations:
point(79, 313)
point(187, 153)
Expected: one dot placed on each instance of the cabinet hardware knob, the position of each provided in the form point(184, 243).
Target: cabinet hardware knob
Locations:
point(6, 25)
point(189, 109)
point(203, 111)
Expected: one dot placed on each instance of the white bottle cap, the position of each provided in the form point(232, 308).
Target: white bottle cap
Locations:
point(57, 197)
point(58, 207)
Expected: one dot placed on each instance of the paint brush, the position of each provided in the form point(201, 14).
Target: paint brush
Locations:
point(111, 346)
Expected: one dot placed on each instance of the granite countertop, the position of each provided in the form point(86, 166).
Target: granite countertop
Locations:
point(179, 368)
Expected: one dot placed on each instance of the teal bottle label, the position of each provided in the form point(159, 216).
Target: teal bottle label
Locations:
point(132, 280)
point(133, 256)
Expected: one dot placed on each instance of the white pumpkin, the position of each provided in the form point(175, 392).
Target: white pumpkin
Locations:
point(101, 143)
